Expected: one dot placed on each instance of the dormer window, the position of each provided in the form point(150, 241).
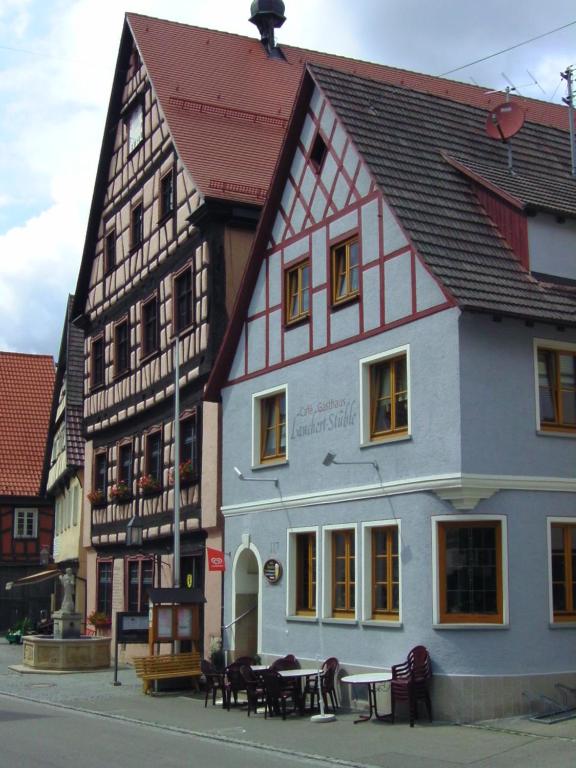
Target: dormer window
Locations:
point(135, 127)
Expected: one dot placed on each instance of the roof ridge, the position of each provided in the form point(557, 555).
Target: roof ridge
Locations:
point(33, 355)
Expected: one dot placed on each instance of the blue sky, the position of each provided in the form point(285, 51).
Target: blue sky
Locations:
point(56, 64)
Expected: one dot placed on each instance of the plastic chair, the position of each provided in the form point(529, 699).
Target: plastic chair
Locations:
point(328, 678)
point(215, 681)
point(255, 690)
point(410, 682)
point(235, 682)
point(278, 694)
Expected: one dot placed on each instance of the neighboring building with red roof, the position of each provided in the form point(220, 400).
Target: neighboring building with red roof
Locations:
point(26, 517)
point(195, 124)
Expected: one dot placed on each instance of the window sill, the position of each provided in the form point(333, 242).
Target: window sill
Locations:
point(334, 620)
point(346, 302)
point(556, 433)
point(149, 356)
point(178, 332)
point(268, 464)
point(296, 322)
point(304, 619)
point(166, 217)
point(562, 624)
point(121, 375)
point(382, 624)
point(384, 440)
point(471, 626)
point(96, 388)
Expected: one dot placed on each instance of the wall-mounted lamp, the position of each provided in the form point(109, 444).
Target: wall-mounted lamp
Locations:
point(256, 479)
point(134, 532)
point(330, 458)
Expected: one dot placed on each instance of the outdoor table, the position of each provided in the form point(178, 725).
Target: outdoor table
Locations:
point(298, 674)
point(371, 680)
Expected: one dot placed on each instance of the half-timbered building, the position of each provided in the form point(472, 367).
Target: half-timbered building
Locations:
point(26, 515)
point(194, 127)
point(65, 459)
point(398, 389)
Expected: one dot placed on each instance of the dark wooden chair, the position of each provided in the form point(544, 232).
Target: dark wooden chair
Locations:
point(410, 682)
point(215, 681)
point(286, 662)
point(328, 685)
point(278, 694)
point(255, 690)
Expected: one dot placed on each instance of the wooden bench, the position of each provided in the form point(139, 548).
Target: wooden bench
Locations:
point(167, 666)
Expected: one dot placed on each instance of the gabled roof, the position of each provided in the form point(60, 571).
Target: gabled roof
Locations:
point(408, 140)
point(227, 103)
point(26, 384)
point(402, 136)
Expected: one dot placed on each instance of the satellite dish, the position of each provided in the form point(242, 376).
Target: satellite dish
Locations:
point(504, 121)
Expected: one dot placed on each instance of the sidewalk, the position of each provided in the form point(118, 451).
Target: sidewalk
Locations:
point(497, 744)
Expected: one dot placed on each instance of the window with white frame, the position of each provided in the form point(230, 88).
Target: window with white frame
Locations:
point(25, 523)
point(269, 419)
point(381, 569)
point(470, 563)
point(555, 367)
point(340, 572)
point(302, 579)
point(385, 396)
point(562, 569)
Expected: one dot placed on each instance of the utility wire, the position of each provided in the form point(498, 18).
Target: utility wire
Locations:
point(512, 47)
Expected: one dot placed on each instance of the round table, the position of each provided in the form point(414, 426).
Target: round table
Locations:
point(371, 680)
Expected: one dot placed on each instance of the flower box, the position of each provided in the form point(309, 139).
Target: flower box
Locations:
point(120, 493)
point(96, 498)
point(148, 484)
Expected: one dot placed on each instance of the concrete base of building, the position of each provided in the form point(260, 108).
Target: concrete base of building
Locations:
point(48, 653)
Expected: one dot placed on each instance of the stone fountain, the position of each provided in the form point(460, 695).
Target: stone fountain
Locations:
point(66, 649)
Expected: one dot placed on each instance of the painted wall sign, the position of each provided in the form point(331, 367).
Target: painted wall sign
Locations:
point(272, 570)
point(322, 417)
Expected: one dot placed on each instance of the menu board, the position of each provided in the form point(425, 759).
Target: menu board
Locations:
point(164, 623)
point(184, 622)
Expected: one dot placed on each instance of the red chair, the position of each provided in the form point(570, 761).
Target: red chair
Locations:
point(328, 685)
point(278, 694)
point(255, 691)
point(410, 682)
point(215, 681)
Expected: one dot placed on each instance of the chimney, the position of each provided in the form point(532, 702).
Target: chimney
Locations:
point(268, 15)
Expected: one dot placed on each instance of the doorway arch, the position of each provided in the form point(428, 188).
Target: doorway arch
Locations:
point(246, 602)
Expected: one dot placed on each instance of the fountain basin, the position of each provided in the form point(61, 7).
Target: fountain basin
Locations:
point(49, 653)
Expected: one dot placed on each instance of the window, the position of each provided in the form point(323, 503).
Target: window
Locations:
point(166, 195)
point(110, 251)
point(305, 573)
point(97, 362)
point(153, 457)
point(388, 397)
point(140, 581)
point(557, 389)
point(104, 587)
point(470, 572)
point(385, 577)
point(343, 547)
point(345, 280)
point(125, 464)
point(188, 447)
point(297, 291)
point(135, 127)
point(385, 396)
point(563, 564)
point(273, 427)
point(100, 474)
point(149, 327)
point(25, 523)
point(183, 300)
point(121, 350)
point(137, 231)
point(318, 153)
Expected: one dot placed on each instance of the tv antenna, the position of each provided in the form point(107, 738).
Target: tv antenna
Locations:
point(569, 101)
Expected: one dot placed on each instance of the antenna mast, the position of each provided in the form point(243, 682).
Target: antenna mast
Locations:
point(570, 102)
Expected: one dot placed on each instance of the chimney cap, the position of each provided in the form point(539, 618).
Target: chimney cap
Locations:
point(273, 9)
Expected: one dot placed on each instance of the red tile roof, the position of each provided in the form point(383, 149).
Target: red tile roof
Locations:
point(228, 104)
point(26, 384)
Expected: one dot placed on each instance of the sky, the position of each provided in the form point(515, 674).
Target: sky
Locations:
point(57, 60)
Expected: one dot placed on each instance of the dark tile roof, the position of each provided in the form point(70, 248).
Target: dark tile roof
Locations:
point(405, 136)
point(26, 384)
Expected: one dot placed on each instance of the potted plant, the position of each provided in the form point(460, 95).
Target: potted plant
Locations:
point(99, 621)
point(187, 473)
point(149, 484)
point(96, 497)
point(120, 491)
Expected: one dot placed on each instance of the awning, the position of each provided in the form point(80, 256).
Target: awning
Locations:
point(34, 578)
